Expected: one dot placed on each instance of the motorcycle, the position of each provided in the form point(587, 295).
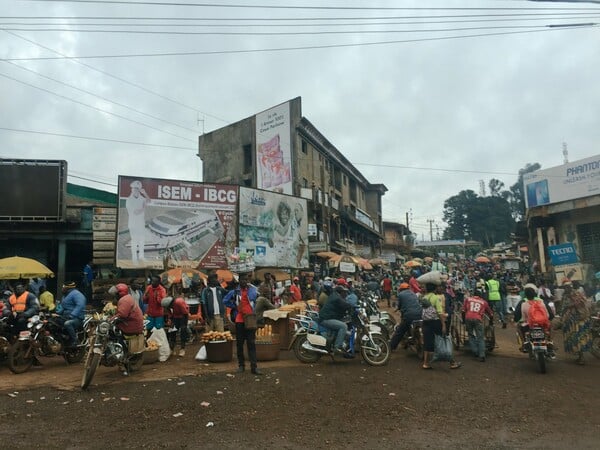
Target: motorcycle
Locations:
point(45, 336)
point(311, 340)
point(109, 347)
point(382, 319)
point(536, 344)
point(7, 337)
point(413, 339)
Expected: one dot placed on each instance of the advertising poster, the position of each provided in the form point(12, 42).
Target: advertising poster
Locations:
point(563, 254)
point(273, 150)
point(273, 228)
point(568, 272)
point(181, 223)
point(572, 180)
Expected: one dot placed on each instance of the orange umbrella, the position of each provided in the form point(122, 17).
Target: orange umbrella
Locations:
point(182, 275)
point(412, 263)
point(364, 264)
point(225, 275)
point(378, 262)
point(482, 259)
point(327, 255)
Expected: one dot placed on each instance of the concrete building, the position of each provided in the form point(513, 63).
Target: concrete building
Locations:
point(563, 216)
point(280, 150)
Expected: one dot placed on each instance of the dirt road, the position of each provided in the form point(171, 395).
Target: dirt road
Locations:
point(502, 403)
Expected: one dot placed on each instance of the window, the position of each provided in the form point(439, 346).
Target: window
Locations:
point(304, 183)
point(345, 180)
point(304, 147)
point(247, 158)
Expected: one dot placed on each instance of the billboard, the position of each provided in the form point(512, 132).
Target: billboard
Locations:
point(187, 223)
point(273, 149)
point(37, 190)
point(558, 184)
point(273, 228)
point(563, 254)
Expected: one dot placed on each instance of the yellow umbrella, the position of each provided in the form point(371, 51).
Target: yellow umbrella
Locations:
point(327, 255)
point(17, 267)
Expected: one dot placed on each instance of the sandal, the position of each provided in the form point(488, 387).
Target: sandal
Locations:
point(456, 365)
point(427, 367)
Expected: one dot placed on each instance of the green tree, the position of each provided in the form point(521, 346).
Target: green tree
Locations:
point(484, 219)
point(517, 196)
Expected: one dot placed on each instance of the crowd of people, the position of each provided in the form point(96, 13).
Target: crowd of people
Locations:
point(473, 291)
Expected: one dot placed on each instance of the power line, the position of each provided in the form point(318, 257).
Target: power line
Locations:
point(287, 33)
point(48, 133)
point(302, 19)
point(269, 25)
point(99, 96)
point(282, 49)
point(94, 107)
point(123, 80)
point(297, 7)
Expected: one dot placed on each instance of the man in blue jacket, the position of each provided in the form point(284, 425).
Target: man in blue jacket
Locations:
point(213, 308)
point(410, 310)
point(333, 313)
point(72, 311)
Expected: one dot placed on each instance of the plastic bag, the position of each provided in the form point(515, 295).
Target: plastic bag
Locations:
point(442, 349)
point(160, 337)
point(201, 355)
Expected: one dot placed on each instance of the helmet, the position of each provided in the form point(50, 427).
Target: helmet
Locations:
point(341, 288)
point(349, 280)
point(404, 286)
point(296, 279)
point(166, 302)
point(122, 289)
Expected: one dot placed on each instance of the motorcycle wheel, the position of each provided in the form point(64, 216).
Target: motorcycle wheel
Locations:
point(20, 356)
point(74, 355)
point(91, 364)
point(378, 357)
point(303, 355)
point(541, 361)
point(596, 347)
point(418, 339)
point(135, 362)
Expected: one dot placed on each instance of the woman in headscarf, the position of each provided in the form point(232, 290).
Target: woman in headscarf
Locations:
point(576, 322)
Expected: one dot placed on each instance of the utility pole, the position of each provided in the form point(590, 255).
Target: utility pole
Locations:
point(565, 153)
point(430, 228)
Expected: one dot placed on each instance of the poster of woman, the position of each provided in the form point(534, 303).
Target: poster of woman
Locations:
point(274, 228)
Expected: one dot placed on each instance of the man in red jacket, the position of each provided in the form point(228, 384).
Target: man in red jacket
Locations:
point(128, 310)
point(154, 294)
point(178, 312)
point(475, 308)
point(295, 290)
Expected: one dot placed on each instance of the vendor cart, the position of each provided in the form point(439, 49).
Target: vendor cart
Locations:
point(460, 337)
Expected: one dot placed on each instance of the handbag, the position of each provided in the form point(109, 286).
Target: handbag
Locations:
point(250, 321)
point(443, 348)
point(430, 313)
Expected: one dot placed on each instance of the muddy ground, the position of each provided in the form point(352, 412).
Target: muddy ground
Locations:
point(502, 403)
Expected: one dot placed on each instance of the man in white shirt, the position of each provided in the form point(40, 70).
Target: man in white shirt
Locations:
point(213, 308)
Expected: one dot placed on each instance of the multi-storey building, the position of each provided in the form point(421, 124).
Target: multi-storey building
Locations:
point(280, 150)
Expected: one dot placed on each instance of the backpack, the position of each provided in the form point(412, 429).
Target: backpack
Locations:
point(537, 314)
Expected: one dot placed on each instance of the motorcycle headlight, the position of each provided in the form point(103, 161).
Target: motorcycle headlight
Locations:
point(103, 328)
point(29, 324)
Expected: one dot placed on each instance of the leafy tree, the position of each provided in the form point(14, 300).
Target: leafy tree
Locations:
point(495, 187)
point(484, 219)
point(517, 196)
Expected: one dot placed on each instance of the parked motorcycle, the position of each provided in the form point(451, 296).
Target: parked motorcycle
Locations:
point(109, 347)
point(311, 340)
point(45, 336)
point(6, 337)
point(536, 345)
point(383, 319)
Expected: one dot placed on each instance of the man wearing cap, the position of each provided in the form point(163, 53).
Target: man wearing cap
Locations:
point(295, 290)
point(136, 207)
point(72, 310)
point(410, 310)
point(333, 312)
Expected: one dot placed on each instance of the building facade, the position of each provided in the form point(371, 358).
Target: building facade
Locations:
point(563, 215)
point(283, 151)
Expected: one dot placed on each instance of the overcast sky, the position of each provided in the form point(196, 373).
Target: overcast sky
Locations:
point(478, 107)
